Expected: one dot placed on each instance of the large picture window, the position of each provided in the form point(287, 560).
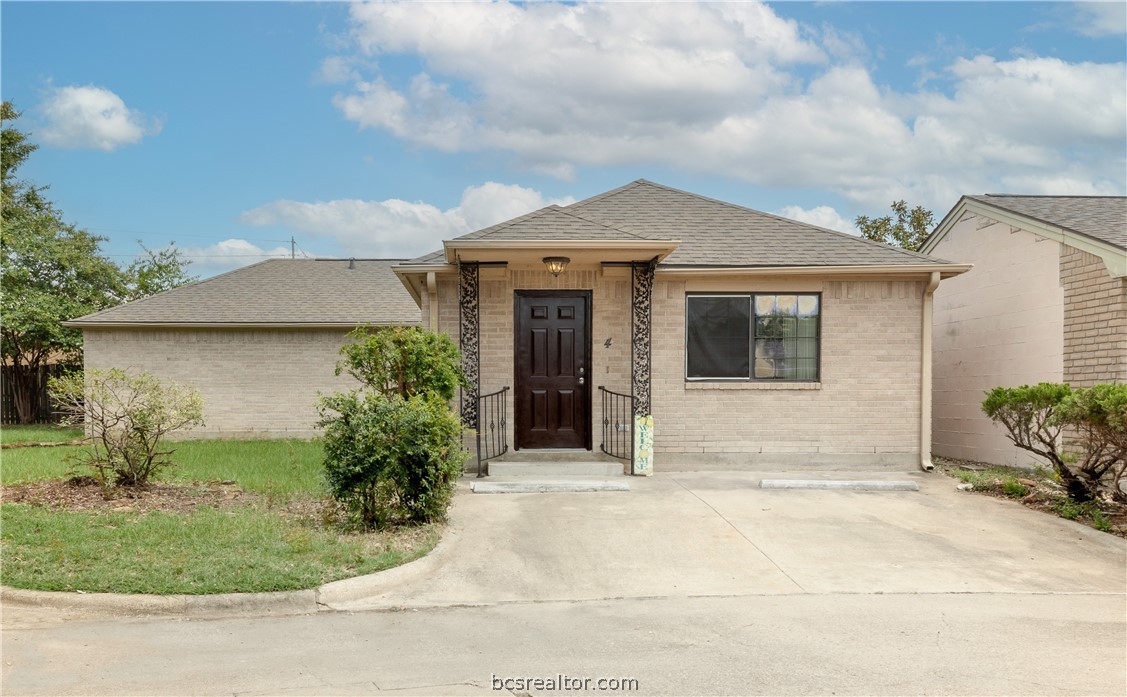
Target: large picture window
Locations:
point(758, 336)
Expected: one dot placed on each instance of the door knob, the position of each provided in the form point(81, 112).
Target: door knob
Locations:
point(581, 381)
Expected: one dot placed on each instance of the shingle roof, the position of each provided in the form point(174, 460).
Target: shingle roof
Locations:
point(1101, 217)
point(278, 292)
point(712, 233)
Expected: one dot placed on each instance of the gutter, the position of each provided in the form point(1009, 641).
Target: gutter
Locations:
point(232, 325)
point(925, 373)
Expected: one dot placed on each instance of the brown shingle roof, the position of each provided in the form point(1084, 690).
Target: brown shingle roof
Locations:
point(1101, 217)
point(712, 233)
point(277, 292)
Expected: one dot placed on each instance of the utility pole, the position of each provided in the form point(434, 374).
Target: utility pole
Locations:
point(293, 246)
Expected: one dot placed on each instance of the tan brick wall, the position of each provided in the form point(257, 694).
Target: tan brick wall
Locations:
point(253, 382)
point(1095, 320)
point(864, 412)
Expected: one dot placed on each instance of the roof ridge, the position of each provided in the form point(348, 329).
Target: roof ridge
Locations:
point(811, 226)
point(497, 227)
point(600, 223)
point(605, 194)
point(1052, 196)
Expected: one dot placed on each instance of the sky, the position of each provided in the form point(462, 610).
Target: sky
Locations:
point(378, 130)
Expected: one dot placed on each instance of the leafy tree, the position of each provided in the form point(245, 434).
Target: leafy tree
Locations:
point(393, 449)
point(908, 230)
point(54, 271)
point(128, 418)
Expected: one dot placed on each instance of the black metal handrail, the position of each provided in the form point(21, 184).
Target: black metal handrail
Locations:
point(492, 409)
point(618, 425)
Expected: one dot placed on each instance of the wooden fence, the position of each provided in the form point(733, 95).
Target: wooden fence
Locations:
point(44, 411)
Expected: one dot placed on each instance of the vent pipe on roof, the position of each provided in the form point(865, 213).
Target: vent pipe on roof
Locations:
point(352, 263)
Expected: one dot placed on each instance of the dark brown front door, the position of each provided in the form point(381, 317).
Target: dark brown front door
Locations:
point(552, 407)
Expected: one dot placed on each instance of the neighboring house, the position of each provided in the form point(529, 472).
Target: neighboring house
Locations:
point(258, 342)
point(1046, 302)
point(748, 339)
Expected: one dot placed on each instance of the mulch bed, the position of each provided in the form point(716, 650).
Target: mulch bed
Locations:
point(84, 493)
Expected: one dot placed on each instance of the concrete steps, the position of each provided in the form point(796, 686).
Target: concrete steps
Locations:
point(554, 468)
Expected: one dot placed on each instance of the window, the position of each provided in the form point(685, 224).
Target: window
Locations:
point(758, 336)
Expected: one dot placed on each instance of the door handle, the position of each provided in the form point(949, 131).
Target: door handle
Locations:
point(581, 380)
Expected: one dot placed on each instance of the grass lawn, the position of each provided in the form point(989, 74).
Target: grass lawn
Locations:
point(37, 433)
point(276, 535)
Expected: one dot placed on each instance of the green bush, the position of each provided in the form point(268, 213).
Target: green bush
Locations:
point(393, 449)
point(1014, 489)
point(1082, 433)
point(128, 417)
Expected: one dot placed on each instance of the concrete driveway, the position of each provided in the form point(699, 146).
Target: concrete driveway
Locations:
point(717, 534)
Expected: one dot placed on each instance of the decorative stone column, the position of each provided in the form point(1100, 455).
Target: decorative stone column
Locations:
point(640, 356)
point(469, 338)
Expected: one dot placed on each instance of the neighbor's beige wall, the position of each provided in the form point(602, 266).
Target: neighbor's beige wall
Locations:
point(865, 412)
point(1095, 320)
point(260, 383)
point(1000, 324)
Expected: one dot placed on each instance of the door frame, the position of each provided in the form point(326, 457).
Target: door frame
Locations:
point(589, 398)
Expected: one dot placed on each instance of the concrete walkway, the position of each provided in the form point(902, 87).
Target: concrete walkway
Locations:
point(695, 583)
point(719, 534)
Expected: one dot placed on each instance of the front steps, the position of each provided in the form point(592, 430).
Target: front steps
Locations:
point(554, 468)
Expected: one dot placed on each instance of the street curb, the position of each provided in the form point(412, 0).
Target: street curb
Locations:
point(280, 603)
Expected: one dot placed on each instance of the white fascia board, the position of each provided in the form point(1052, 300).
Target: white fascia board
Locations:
point(1114, 258)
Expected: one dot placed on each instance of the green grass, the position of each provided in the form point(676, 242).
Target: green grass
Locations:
point(279, 467)
point(998, 479)
point(249, 548)
point(37, 433)
point(209, 551)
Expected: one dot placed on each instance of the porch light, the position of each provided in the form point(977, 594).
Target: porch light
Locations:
point(556, 265)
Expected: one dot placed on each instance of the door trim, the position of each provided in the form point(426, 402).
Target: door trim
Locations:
point(552, 293)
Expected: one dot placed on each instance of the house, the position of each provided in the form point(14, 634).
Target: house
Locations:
point(665, 327)
point(1046, 301)
point(258, 342)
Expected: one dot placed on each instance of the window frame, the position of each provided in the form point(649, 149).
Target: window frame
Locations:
point(750, 295)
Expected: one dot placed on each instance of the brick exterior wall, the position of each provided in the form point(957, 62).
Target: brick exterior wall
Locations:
point(255, 383)
point(865, 411)
point(1095, 320)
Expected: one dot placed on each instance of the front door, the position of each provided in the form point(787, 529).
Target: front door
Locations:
point(552, 404)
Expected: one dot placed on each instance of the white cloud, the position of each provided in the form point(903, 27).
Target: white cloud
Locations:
point(396, 228)
point(92, 117)
point(822, 216)
point(1098, 19)
point(715, 88)
point(228, 254)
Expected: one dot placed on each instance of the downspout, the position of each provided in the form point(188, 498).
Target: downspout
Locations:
point(925, 374)
point(432, 301)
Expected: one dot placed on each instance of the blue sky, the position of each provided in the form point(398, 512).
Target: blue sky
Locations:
point(378, 130)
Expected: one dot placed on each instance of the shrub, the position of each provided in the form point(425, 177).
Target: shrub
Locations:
point(1035, 418)
point(1099, 416)
point(127, 418)
point(393, 449)
point(403, 361)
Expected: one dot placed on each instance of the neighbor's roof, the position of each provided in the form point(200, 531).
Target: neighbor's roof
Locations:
point(277, 292)
point(1100, 217)
point(711, 233)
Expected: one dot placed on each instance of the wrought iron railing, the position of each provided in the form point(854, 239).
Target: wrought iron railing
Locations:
point(492, 434)
point(618, 425)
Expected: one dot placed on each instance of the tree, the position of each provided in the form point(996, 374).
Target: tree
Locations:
point(54, 271)
point(909, 230)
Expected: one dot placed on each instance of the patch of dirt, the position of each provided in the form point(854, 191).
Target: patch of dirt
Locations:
point(1044, 495)
point(84, 493)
